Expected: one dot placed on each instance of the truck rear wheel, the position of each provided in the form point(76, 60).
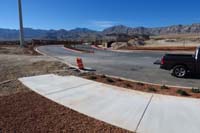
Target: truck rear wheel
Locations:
point(179, 71)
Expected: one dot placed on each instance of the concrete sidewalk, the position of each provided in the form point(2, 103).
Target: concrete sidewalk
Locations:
point(128, 109)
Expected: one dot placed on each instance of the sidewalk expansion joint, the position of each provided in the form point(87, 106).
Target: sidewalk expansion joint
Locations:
point(50, 93)
point(145, 110)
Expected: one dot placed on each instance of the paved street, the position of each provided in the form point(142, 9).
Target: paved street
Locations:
point(136, 65)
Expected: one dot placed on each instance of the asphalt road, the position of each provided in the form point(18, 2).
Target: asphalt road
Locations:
point(136, 65)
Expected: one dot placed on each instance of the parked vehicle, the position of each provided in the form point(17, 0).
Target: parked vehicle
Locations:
point(182, 64)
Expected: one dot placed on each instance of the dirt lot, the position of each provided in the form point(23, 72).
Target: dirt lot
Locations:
point(22, 110)
point(14, 66)
point(162, 48)
point(176, 40)
point(15, 49)
point(173, 42)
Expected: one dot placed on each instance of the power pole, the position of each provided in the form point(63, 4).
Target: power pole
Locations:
point(21, 31)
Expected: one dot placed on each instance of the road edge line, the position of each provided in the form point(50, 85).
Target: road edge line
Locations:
point(44, 54)
point(58, 59)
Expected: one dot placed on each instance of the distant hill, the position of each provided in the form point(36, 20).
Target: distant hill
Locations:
point(29, 33)
point(75, 34)
point(87, 34)
point(10, 34)
point(176, 29)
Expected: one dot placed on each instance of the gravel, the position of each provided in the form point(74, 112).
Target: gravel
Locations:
point(28, 112)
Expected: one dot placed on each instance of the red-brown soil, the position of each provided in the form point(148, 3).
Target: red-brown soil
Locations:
point(27, 112)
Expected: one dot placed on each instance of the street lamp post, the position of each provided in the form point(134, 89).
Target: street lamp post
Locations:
point(21, 31)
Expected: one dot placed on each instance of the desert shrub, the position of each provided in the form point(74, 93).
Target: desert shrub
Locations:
point(195, 90)
point(119, 79)
point(151, 89)
point(103, 76)
point(128, 85)
point(182, 92)
point(164, 87)
point(92, 77)
point(140, 84)
point(109, 80)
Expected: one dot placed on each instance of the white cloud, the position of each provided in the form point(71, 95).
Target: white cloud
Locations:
point(103, 24)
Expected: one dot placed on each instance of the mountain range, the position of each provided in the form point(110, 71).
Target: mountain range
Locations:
point(90, 35)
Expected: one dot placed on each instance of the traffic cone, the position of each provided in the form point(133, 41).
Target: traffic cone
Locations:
point(80, 63)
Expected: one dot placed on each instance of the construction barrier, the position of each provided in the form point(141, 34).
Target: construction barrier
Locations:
point(80, 63)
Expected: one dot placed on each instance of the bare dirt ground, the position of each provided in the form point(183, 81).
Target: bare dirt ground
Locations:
point(174, 40)
point(162, 48)
point(14, 66)
point(15, 49)
point(22, 110)
point(178, 36)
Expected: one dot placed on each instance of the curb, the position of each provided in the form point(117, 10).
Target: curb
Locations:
point(76, 51)
point(120, 51)
point(131, 51)
point(136, 81)
point(7, 81)
point(70, 65)
point(95, 47)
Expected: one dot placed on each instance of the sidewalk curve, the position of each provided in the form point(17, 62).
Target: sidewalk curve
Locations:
point(128, 109)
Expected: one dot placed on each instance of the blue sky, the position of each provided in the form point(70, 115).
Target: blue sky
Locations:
point(99, 14)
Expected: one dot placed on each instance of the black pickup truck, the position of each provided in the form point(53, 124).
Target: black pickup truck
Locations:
point(182, 64)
